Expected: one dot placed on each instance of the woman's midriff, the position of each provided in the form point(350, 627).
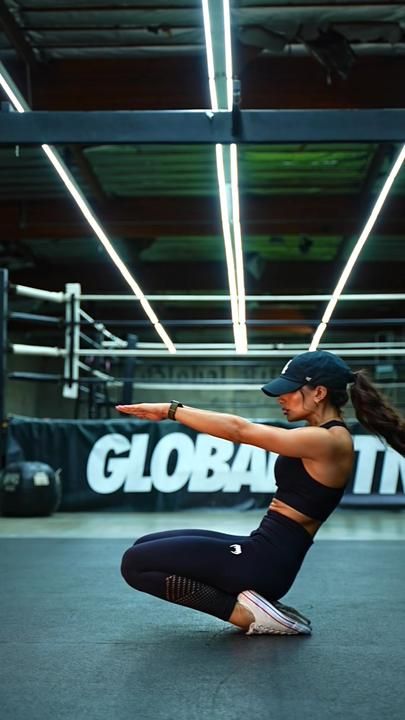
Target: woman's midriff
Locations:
point(310, 525)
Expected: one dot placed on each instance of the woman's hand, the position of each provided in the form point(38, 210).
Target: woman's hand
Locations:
point(146, 411)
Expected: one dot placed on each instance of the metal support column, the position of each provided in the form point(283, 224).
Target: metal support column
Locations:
point(3, 362)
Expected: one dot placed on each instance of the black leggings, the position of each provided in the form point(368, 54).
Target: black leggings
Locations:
point(207, 570)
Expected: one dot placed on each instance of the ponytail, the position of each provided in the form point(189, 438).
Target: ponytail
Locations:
point(374, 411)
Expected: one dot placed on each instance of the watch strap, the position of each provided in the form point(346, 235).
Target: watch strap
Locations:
point(174, 404)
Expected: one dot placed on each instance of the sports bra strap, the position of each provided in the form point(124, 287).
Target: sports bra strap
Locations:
point(333, 423)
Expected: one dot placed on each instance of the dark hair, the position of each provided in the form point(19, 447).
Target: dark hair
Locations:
point(372, 409)
point(338, 398)
point(375, 412)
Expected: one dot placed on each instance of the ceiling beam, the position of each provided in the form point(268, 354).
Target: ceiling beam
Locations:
point(182, 127)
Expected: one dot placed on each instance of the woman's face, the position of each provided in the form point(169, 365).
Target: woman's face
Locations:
point(298, 405)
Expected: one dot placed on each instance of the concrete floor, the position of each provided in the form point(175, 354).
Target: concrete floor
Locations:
point(78, 643)
point(344, 524)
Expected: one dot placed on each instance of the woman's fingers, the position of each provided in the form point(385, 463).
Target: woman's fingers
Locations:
point(129, 409)
point(148, 411)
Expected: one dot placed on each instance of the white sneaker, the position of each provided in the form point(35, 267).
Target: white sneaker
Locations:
point(270, 618)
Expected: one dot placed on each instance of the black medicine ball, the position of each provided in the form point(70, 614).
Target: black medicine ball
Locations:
point(29, 489)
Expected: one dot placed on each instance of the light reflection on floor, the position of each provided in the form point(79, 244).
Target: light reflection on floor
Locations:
point(344, 524)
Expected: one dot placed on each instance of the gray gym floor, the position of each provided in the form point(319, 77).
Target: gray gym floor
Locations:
point(76, 642)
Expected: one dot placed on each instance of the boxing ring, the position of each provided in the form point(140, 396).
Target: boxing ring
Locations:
point(110, 345)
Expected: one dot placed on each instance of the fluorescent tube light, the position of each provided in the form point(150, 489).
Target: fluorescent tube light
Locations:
point(237, 234)
point(210, 55)
point(229, 194)
point(5, 84)
point(226, 229)
point(81, 202)
point(357, 249)
point(70, 183)
point(237, 296)
point(228, 53)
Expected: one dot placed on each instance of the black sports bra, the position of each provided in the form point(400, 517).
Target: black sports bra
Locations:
point(298, 489)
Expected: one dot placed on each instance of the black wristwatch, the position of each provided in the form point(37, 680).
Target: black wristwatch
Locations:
point(174, 404)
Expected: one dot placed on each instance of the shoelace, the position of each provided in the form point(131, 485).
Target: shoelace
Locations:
point(295, 614)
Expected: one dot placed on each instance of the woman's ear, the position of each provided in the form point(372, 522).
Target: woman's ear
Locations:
point(320, 393)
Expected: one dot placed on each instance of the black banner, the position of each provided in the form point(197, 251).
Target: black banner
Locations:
point(166, 466)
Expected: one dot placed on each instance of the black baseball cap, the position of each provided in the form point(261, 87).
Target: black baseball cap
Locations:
point(317, 367)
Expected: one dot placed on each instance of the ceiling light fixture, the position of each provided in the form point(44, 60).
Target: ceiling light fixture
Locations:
point(226, 230)
point(357, 250)
point(228, 54)
point(210, 55)
point(7, 85)
point(237, 235)
point(218, 42)
point(70, 183)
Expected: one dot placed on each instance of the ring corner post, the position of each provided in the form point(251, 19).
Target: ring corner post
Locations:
point(72, 340)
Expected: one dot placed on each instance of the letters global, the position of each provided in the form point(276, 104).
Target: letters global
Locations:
point(207, 464)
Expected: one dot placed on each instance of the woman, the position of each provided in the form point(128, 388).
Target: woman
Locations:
point(240, 579)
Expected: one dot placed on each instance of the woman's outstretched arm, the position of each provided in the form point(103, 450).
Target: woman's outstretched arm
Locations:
point(310, 442)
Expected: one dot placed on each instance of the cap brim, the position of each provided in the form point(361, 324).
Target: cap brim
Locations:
point(281, 386)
